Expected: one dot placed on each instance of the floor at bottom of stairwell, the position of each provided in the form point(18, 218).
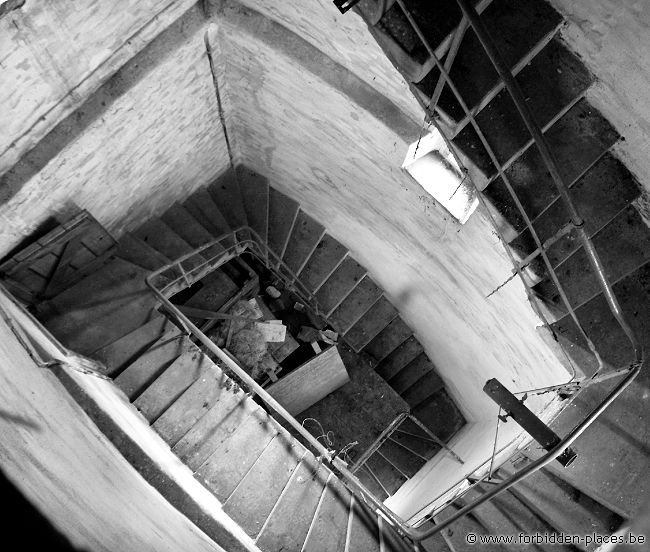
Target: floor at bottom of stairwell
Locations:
point(358, 411)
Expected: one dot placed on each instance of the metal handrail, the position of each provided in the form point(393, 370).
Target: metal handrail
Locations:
point(577, 223)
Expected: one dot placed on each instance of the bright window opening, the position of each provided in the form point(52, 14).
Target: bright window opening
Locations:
point(433, 166)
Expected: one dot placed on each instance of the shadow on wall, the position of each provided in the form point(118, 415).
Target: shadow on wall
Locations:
point(30, 528)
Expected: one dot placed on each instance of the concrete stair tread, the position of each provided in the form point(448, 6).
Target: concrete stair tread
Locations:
point(327, 532)
point(282, 212)
point(339, 284)
point(400, 357)
point(578, 140)
point(237, 453)
point(101, 308)
point(456, 533)
point(226, 195)
point(215, 426)
point(203, 208)
point(154, 361)
point(566, 79)
point(126, 349)
point(424, 388)
point(161, 237)
point(305, 236)
point(252, 501)
point(355, 305)
point(386, 341)
point(170, 385)
point(600, 195)
point(375, 319)
point(440, 415)
point(190, 230)
point(289, 522)
point(324, 259)
point(217, 289)
point(411, 373)
point(254, 190)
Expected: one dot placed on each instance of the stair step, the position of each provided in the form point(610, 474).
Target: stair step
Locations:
point(633, 293)
point(369, 481)
point(563, 507)
point(289, 522)
point(386, 341)
point(436, 543)
point(141, 373)
point(190, 230)
point(516, 27)
point(282, 213)
point(322, 262)
point(252, 501)
point(418, 443)
point(376, 318)
point(162, 238)
point(227, 196)
point(328, 531)
point(412, 372)
point(134, 250)
point(339, 284)
point(440, 415)
point(578, 140)
point(305, 236)
point(391, 541)
point(237, 453)
point(100, 308)
point(402, 458)
point(203, 208)
point(390, 477)
point(198, 444)
point(170, 385)
point(355, 305)
point(424, 388)
point(364, 529)
point(605, 190)
point(208, 389)
point(399, 358)
point(121, 352)
point(456, 533)
point(623, 246)
point(565, 78)
point(216, 291)
point(254, 190)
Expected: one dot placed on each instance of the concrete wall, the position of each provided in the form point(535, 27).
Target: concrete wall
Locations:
point(123, 145)
point(70, 472)
point(343, 165)
point(613, 38)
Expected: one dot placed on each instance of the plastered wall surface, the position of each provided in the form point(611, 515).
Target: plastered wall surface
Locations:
point(343, 167)
point(55, 455)
point(613, 37)
point(136, 151)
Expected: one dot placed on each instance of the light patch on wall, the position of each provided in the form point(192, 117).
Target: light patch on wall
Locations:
point(433, 167)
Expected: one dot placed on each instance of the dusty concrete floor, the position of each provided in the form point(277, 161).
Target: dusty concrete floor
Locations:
point(358, 411)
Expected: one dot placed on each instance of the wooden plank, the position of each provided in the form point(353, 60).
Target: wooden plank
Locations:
point(305, 235)
point(192, 405)
point(138, 375)
point(322, 262)
point(328, 532)
point(287, 527)
point(364, 531)
point(391, 337)
point(198, 444)
point(170, 385)
point(252, 501)
point(339, 284)
point(311, 382)
point(370, 324)
point(121, 352)
point(229, 463)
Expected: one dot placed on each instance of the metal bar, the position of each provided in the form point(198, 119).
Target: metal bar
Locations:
point(414, 453)
point(537, 429)
point(566, 229)
point(435, 438)
point(388, 431)
point(372, 473)
point(449, 60)
point(392, 465)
